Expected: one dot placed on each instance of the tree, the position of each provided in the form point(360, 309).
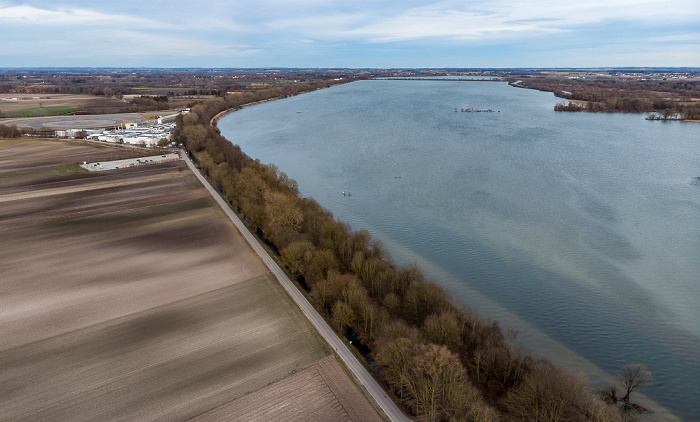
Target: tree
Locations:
point(283, 217)
point(423, 299)
point(392, 303)
point(251, 196)
point(549, 393)
point(322, 263)
point(442, 329)
point(190, 119)
point(434, 382)
point(393, 358)
point(194, 137)
point(634, 377)
point(296, 257)
point(343, 314)
point(371, 320)
point(9, 132)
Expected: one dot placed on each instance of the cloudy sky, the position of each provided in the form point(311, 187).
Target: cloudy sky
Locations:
point(350, 33)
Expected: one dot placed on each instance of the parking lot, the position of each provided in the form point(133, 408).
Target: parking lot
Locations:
point(131, 162)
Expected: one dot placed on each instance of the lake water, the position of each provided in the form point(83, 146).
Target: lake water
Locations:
point(580, 230)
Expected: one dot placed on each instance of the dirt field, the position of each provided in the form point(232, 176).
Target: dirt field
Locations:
point(300, 397)
point(91, 103)
point(125, 295)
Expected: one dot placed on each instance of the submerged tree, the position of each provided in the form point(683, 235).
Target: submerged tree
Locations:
point(634, 377)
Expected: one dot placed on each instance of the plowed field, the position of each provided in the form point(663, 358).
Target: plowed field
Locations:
point(125, 295)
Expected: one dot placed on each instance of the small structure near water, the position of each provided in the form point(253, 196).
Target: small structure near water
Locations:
point(476, 110)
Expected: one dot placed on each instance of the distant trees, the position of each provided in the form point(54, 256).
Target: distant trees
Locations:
point(671, 100)
point(149, 103)
point(9, 132)
point(15, 132)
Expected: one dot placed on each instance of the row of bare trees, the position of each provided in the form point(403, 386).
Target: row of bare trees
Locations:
point(667, 98)
point(7, 131)
point(440, 359)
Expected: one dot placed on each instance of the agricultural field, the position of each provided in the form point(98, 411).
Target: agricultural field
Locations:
point(27, 105)
point(176, 102)
point(300, 397)
point(40, 111)
point(127, 295)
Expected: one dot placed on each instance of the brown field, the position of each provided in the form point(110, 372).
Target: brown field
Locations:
point(126, 295)
point(301, 397)
point(90, 103)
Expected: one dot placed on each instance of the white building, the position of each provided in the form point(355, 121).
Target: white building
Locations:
point(133, 134)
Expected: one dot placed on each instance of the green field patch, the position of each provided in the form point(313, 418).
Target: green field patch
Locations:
point(161, 91)
point(40, 111)
point(145, 88)
point(71, 169)
point(4, 142)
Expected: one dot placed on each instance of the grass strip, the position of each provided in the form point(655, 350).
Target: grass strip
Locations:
point(71, 169)
point(40, 111)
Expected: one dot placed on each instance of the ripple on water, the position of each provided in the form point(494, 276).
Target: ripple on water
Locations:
point(601, 187)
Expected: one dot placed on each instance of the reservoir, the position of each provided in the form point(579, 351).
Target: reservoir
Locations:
point(579, 230)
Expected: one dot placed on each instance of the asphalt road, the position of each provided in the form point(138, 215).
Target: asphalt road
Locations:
point(359, 372)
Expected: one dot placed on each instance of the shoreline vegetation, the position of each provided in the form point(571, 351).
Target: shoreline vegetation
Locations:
point(441, 360)
point(662, 99)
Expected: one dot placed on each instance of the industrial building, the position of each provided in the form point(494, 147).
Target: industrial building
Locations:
point(146, 134)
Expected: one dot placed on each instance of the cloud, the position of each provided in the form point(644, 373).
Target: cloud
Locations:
point(478, 20)
point(29, 15)
point(139, 43)
point(310, 32)
point(453, 24)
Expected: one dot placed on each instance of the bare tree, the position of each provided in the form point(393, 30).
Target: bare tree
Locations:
point(297, 256)
point(343, 314)
point(634, 376)
point(284, 217)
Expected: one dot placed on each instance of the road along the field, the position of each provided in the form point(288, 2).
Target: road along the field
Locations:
point(358, 370)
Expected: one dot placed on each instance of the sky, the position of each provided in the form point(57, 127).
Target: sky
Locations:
point(350, 33)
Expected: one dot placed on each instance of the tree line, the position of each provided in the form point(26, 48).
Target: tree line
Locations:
point(441, 360)
point(16, 132)
point(118, 82)
point(669, 99)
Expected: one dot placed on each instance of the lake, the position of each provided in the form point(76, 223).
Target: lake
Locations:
point(579, 230)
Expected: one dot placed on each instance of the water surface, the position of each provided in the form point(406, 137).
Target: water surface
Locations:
point(580, 230)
